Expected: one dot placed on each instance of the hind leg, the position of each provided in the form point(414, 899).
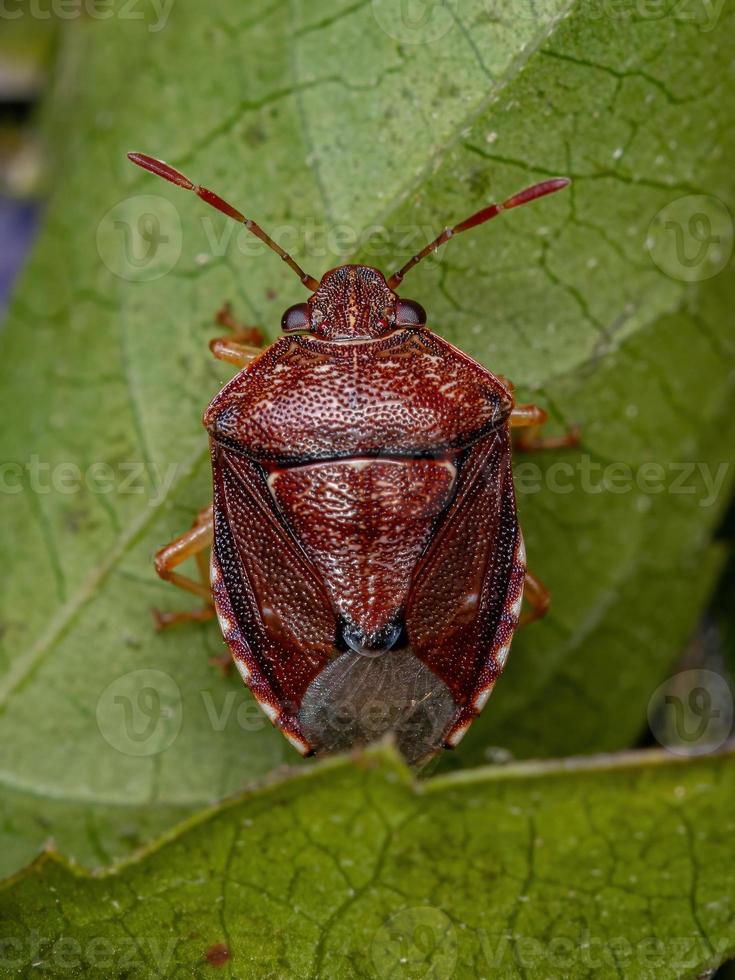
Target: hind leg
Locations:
point(538, 598)
point(193, 543)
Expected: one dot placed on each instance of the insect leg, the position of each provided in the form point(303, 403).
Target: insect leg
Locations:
point(538, 598)
point(250, 335)
point(231, 350)
point(193, 543)
point(241, 346)
point(530, 418)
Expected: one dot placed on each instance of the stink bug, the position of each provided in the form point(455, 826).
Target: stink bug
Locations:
point(367, 567)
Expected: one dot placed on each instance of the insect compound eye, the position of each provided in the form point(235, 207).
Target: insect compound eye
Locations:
point(410, 314)
point(296, 318)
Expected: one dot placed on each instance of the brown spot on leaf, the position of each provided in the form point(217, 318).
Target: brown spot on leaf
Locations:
point(218, 954)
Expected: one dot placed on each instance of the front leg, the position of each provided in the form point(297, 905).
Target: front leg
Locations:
point(241, 346)
point(232, 350)
point(531, 418)
point(250, 335)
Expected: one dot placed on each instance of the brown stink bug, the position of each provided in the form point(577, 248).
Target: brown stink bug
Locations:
point(367, 567)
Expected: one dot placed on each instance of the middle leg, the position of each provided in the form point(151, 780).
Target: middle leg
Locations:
point(530, 419)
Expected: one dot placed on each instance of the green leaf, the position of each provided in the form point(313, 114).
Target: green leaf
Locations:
point(605, 867)
point(322, 123)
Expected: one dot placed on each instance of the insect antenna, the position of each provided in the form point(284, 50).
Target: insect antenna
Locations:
point(162, 169)
point(479, 218)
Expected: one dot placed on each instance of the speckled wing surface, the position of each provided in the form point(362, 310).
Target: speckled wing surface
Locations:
point(467, 589)
point(273, 610)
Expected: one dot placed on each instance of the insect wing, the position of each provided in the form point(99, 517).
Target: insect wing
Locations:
point(467, 590)
point(273, 610)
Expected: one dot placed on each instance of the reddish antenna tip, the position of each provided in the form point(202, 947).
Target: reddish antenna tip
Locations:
point(161, 169)
point(479, 218)
point(537, 191)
